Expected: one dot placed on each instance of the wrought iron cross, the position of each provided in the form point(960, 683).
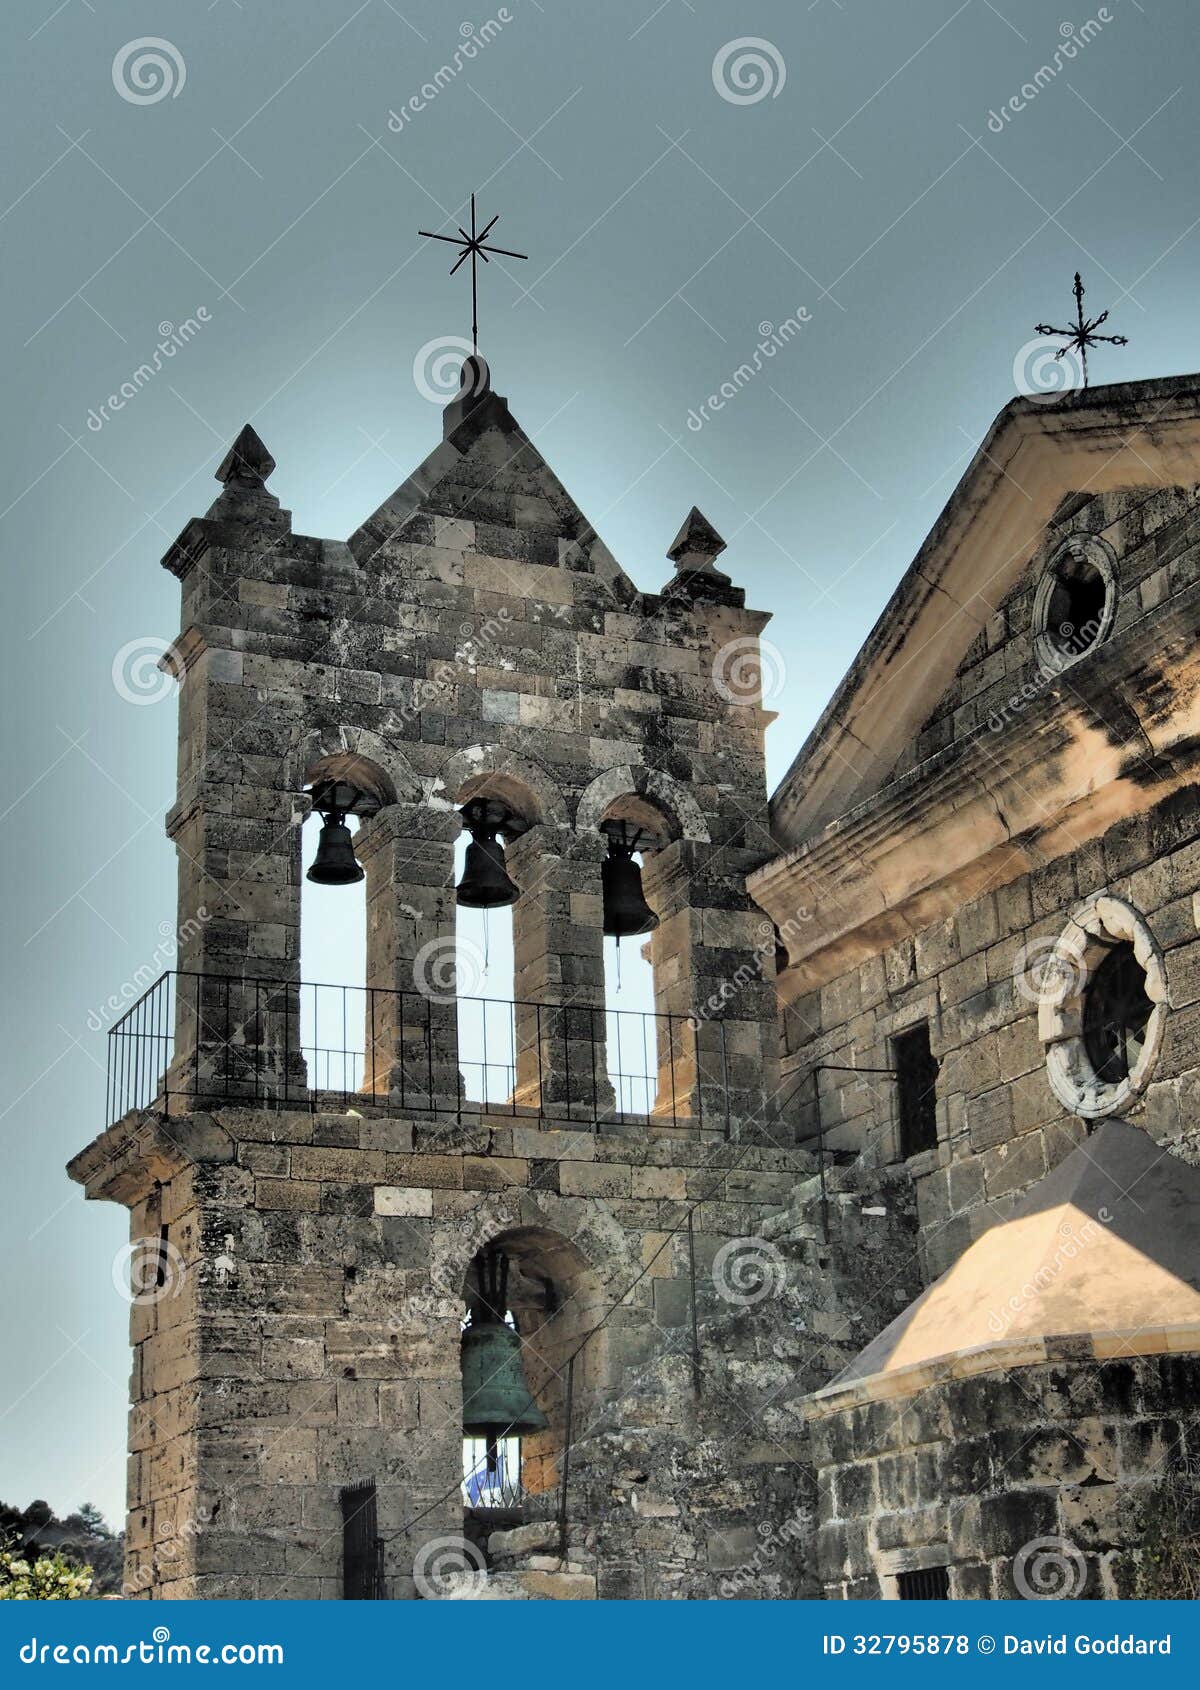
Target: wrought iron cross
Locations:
point(473, 247)
point(1082, 333)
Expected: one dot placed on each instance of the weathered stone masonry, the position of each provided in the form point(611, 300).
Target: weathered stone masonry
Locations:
point(967, 807)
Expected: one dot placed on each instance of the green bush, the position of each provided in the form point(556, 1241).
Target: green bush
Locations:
point(48, 1578)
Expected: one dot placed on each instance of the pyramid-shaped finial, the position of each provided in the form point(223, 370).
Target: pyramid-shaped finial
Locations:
point(696, 544)
point(246, 461)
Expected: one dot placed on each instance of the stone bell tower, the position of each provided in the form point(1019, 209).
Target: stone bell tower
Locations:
point(315, 1233)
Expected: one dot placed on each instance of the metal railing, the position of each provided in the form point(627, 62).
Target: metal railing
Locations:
point(202, 1040)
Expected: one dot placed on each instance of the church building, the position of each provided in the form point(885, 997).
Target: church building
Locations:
point(866, 1262)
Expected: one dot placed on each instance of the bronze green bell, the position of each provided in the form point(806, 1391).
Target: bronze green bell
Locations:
point(497, 1402)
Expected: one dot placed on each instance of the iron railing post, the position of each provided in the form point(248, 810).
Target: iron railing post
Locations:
point(564, 1477)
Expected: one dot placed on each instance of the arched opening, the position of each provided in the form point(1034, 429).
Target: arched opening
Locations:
point(494, 809)
point(531, 1300)
point(633, 829)
point(344, 789)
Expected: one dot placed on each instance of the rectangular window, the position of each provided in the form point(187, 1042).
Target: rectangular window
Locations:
point(925, 1584)
point(916, 1079)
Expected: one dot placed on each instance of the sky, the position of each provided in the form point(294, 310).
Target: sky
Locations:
point(847, 182)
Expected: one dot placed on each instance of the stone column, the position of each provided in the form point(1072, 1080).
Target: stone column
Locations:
point(235, 993)
point(714, 978)
point(558, 950)
point(411, 1032)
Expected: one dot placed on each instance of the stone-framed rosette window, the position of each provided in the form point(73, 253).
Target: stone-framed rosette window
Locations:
point(1075, 601)
point(1102, 1008)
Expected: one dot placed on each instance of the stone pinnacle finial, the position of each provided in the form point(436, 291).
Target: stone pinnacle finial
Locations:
point(475, 378)
point(696, 545)
point(247, 461)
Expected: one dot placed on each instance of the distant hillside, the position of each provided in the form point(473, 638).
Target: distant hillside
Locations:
point(82, 1536)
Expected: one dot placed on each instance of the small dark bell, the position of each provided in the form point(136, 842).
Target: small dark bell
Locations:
point(485, 884)
point(335, 863)
point(626, 912)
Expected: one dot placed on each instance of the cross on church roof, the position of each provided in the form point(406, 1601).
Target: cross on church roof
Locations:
point(473, 247)
point(1082, 334)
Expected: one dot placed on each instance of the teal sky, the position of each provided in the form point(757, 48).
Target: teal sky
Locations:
point(269, 200)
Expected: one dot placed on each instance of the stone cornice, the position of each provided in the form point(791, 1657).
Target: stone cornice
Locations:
point(1094, 745)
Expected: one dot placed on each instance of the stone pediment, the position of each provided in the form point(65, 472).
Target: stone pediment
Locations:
point(1115, 735)
point(1036, 454)
point(487, 472)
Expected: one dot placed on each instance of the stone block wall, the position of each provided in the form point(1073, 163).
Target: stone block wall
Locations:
point(1028, 1481)
point(310, 1336)
point(1000, 1124)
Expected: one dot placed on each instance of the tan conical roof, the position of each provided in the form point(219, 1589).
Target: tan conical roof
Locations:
point(1101, 1257)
